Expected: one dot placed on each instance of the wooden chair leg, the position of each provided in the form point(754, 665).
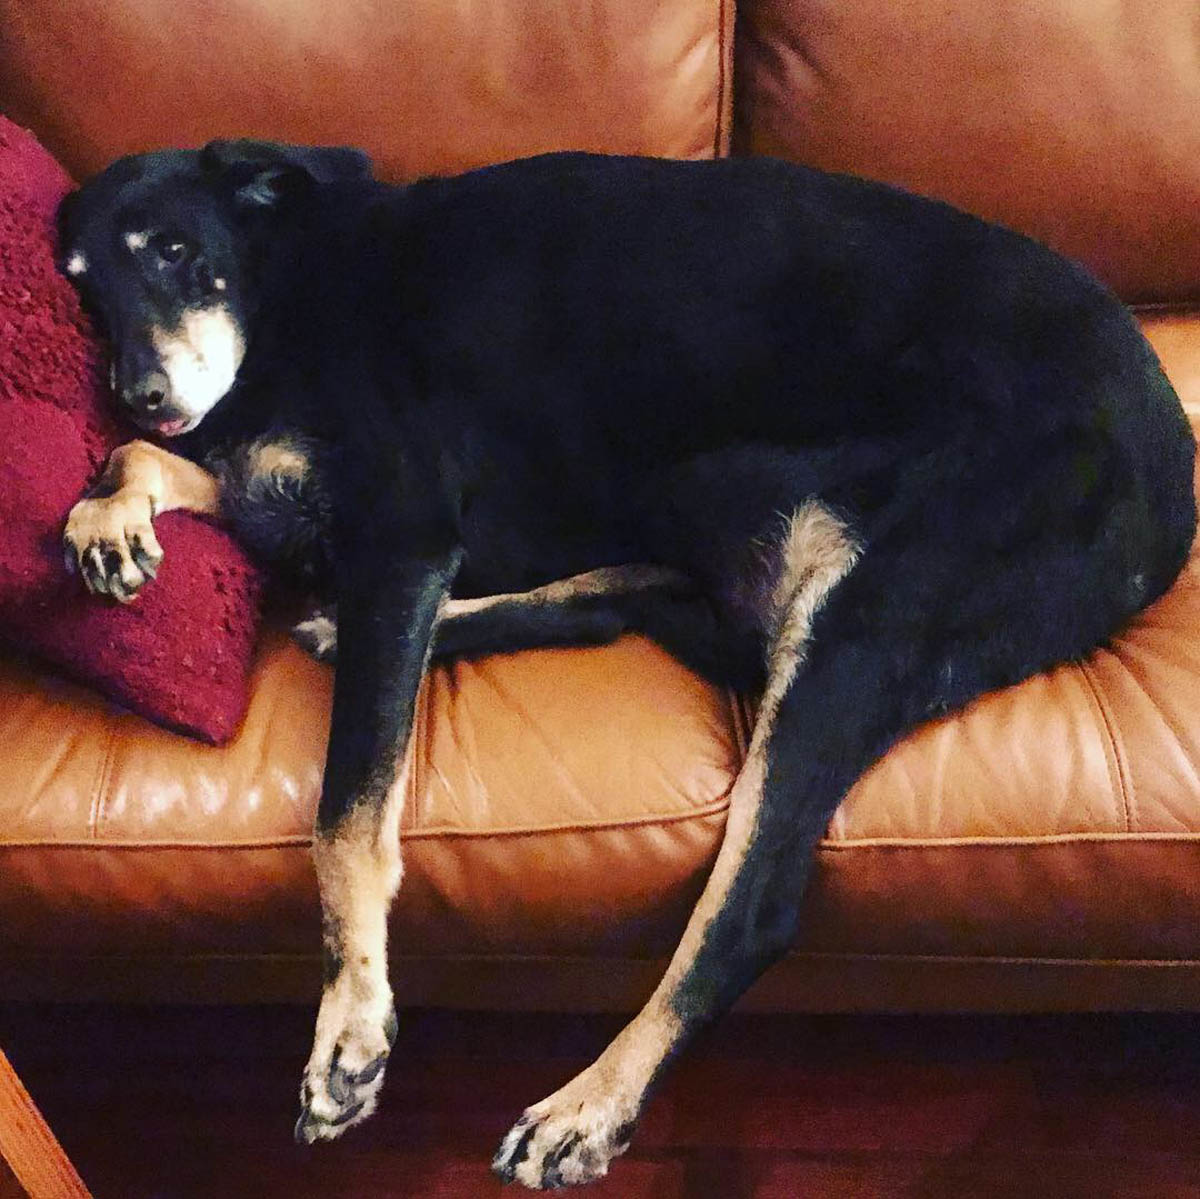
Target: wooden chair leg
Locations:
point(29, 1148)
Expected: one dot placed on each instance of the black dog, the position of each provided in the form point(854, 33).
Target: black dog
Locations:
point(875, 455)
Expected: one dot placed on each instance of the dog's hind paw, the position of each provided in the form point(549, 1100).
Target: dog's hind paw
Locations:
point(317, 635)
point(569, 1138)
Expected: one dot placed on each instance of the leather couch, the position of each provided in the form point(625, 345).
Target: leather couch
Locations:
point(1038, 851)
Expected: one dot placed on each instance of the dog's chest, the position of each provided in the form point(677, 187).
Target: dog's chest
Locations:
point(275, 496)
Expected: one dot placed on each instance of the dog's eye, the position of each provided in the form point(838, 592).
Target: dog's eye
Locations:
point(171, 251)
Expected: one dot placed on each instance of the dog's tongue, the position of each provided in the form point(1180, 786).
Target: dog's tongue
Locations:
point(169, 428)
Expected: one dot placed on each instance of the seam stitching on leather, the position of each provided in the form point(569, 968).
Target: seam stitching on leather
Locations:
point(724, 57)
point(1159, 710)
point(1117, 766)
point(979, 959)
point(421, 730)
point(471, 960)
point(713, 808)
point(741, 724)
point(1034, 842)
point(1154, 308)
point(101, 785)
point(303, 841)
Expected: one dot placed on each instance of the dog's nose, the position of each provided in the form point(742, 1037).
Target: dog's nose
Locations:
point(144, 386)
point(149, 393)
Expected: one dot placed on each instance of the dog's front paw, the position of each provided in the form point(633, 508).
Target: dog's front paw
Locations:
point(568, 1138)
point(345, 1072)
point(111, 542)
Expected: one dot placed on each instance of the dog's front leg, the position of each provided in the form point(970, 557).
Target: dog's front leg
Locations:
point(387, 610)
point(109, 536)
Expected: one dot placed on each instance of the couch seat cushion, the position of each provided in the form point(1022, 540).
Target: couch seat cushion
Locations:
point(567, 804)
point(562, 800)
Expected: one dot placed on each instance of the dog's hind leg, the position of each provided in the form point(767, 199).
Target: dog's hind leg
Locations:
point(586, 609)
point(863, 648)
point(744, 916)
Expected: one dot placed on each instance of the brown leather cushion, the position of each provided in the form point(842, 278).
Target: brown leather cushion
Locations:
point(562, 801)
point(1076, 122)
point(569, 803)
point(425, 86)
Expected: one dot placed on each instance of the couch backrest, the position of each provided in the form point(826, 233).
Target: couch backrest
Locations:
point(424, 85)
point(1075, 120)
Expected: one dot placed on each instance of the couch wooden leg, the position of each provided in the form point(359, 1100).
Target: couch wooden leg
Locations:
point(29, 1148)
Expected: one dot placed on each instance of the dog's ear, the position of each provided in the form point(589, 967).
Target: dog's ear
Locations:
point(67, 206)
point(261, 174)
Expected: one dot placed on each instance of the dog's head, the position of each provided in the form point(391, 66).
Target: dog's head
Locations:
point(160, 246)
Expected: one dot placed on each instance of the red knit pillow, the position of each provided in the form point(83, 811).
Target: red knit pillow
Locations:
point(180, 653)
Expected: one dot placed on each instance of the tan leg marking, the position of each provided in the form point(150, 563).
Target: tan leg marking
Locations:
point(278, 459)
point(359, 870)
point(317, 632)
point(608, 580)
point(572, 1136)
point(110, 539)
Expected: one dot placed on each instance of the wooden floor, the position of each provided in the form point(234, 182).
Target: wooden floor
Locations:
point(183, 1103)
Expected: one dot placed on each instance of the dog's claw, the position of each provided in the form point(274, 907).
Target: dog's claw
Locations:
point(508, 1158)
point(147, 562)
point(110, 542)
point(345, 1100)
point(310, 1128)
point(569, 1138)
point(305, 1131)
point(342, 1083)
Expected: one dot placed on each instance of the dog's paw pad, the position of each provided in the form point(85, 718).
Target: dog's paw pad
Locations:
point(554, 1145)
point(111, 543)
point(342, 1089)
point(338, 1100)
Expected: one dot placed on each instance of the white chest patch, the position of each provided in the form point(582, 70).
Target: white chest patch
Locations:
point(200, 357)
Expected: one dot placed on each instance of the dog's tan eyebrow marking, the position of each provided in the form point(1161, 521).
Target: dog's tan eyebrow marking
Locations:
point(77, 263)
point(137, 239)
